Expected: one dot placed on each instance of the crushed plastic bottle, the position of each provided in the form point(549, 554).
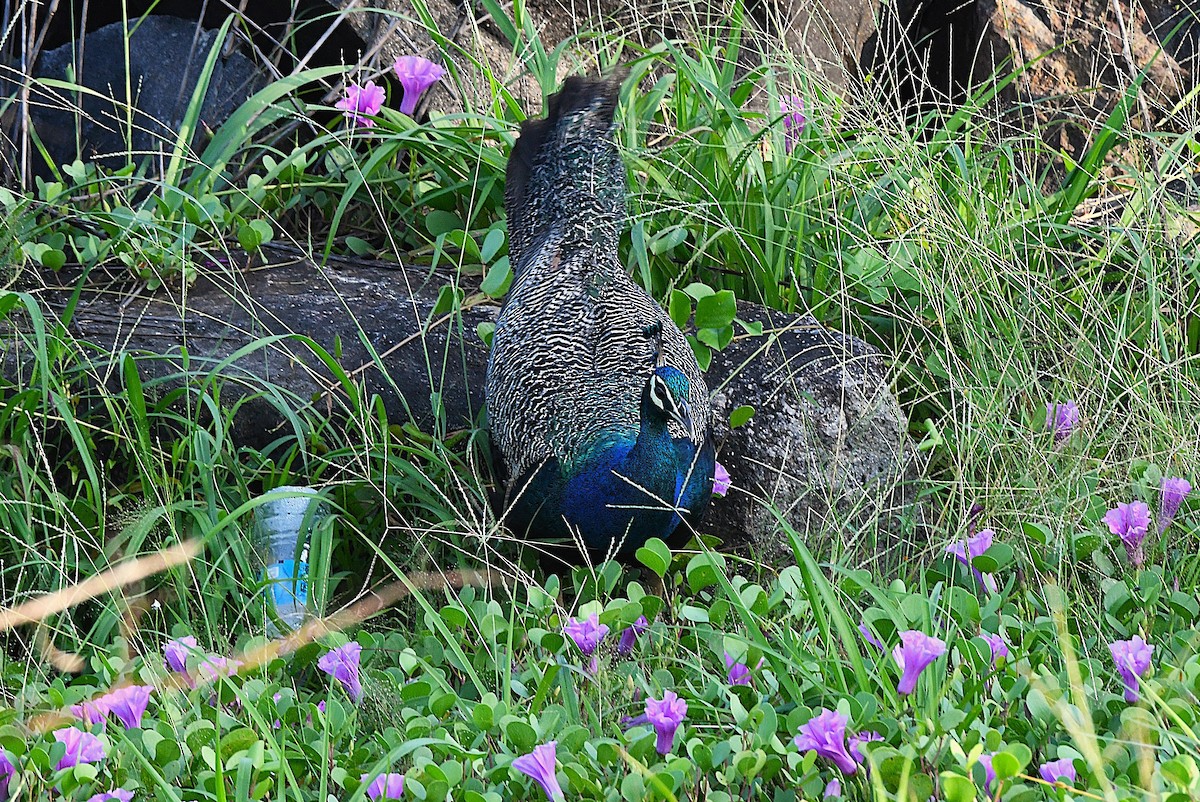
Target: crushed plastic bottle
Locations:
point(281, 535)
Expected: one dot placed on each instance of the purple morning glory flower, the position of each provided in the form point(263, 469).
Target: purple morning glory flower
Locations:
point(586, 632)
point(128, 704)
point(630, 635)
point(416, 74)
point(857, 740)
point(342, 664)
point(988, 772)
point(1130, 522)
point(1061, 418)
point(1059, 770)
point(93, 711)
point(832, 789)
point(1132, 658)
point(966, 550)
point(6, 772)
point(82, 747)
point(539, 765)
point(721, 480)
point(1174, 491)
point(794, 121)
point(666, 715)
point(825, 734)
point(739, 672)
point(176, 653)
point(870, 638)
point(115, 795)
point(916, 651)
point(997, 645)
point(361, 103)
point(385, 786)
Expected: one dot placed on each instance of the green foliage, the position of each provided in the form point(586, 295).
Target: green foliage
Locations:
point(475, 679)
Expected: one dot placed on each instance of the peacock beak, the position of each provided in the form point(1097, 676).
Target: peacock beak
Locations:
point(682, 414)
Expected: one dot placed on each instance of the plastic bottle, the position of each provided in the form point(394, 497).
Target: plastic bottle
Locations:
point(281, 533)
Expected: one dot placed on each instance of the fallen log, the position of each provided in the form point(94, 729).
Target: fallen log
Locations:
point(826, 444)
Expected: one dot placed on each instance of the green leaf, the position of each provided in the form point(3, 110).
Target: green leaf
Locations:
point(151, 739)
point(438, 222)
point(716, 311)
point(753, 327)
point(550, 641)
point(1117, 600)
point(137, 401)
point(956, 788)
point(1036, 532)
point(680, 308)
point(1021, 753)
point(920, 787)
point(53, 258)
point(491, 244)
point(1083, 544)
point(254, 234)
point(1039, 708)
point(701, 351)
point(443, 703)
point(655, 555)
point(499, 278)
point(520, 735)
point(236, 741)
point(994, 559)
point(667, 240)
point(710, 337)
point(460, 240)
point(483, 716)
point(701, 571)
point(248, 238)
point(1180, 771)
point(485, 331)
point(449, 297)
point(740, 416)
point(1184, 605)
point(456, 617)
point(1005, 765)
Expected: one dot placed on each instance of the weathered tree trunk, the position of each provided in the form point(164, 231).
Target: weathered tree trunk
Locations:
point(827, 435)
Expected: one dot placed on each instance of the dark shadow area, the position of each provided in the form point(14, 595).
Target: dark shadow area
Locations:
point(922, 56)
point(139, 74)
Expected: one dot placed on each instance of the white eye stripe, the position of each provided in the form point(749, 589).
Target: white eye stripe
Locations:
point(656, 391)
point(660, 394)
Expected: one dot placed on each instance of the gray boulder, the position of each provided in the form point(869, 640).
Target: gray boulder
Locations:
point(827, 444)
point(166, 58)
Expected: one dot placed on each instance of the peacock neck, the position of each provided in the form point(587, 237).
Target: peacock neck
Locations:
point(653, 447)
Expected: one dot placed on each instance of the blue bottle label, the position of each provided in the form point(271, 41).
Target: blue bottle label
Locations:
point(283, 577)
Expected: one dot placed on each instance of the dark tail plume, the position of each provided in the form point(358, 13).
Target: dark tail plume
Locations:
point(565, 168)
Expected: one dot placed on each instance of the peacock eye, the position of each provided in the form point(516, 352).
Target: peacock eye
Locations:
point(660, 395)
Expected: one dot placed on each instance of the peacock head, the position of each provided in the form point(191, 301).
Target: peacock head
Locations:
point(665, 397)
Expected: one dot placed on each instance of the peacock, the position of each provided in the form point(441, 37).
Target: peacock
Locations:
point(599, 416)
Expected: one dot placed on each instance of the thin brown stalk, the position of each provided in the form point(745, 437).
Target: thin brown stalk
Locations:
point(119, 576)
